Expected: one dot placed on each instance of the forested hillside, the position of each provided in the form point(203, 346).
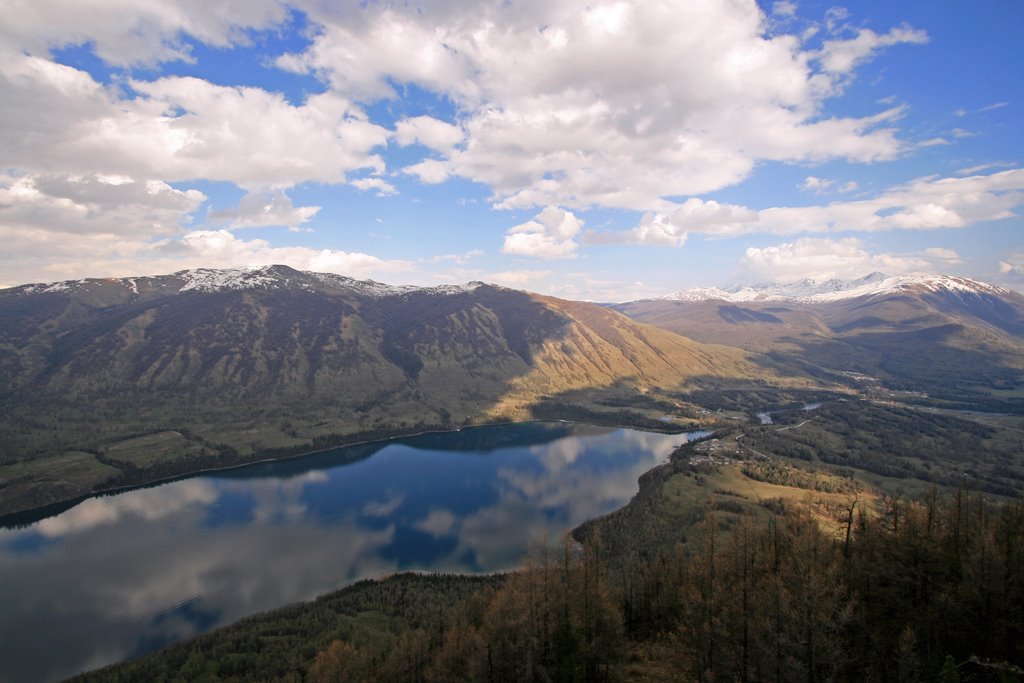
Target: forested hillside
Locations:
point(906, 591)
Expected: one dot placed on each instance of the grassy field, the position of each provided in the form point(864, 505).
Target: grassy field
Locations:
point(75, 468)
point(161, 447)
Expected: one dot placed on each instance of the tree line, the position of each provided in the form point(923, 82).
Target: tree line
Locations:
point(911, 592)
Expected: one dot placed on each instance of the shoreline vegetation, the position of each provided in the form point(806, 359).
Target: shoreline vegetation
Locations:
point(233, 460)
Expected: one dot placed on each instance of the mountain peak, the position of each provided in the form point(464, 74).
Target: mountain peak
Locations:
point(207, 280)
point(812, 291)
point(214, 279)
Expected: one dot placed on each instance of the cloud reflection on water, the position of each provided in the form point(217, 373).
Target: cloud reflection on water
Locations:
point(123, 574)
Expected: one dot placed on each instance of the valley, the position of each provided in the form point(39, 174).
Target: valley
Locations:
point(579, 341)
point(683, 552)
point(826, 411)
point(216, 369)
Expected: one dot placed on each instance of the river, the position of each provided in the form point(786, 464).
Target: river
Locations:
point(121, 575)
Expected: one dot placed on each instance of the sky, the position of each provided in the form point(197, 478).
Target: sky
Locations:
point(593, 150)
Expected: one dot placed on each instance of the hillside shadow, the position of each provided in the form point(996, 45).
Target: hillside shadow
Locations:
point(924, 360)
point(738, 314)
point(422, 318)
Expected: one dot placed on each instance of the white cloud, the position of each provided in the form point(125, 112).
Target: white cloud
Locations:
point(784, 8)
point(577, 119)
point(519, 279)
point(383, 188)
point(840, 57)
point(429, 171)
point(815, 184)
point(822, 259)
point(426, 130)
point(942, 255)
point(693, 215)
point(55, 203)
point(550, 235)
point(34, 257)
point(128, 32)
point(834, 16)
point(825, 185)
point(1011, 270)
point(974, 170)
point(933, 142)
point(222, 249)
point(178, 129)
point(923, 204)
point(458, 259)
point(258, 209)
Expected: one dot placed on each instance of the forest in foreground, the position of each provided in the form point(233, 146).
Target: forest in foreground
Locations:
point(907, 591)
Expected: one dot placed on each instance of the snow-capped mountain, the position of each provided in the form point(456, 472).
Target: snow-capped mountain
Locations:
point(812, 291)
point(234, 279)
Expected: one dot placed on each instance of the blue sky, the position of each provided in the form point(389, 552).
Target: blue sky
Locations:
point(592, 150)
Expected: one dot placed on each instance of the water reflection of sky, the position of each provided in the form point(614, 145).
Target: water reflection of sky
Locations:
point(117, 576)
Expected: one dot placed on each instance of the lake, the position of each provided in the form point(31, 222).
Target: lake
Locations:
point(121, 575)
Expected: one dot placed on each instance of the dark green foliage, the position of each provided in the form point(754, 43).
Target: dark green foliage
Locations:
point(557, 410)
point(898, 442)
point(282, 645)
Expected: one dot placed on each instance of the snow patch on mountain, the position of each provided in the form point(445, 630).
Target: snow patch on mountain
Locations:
point(812, 291)
point(219, 280)
point(235, 279)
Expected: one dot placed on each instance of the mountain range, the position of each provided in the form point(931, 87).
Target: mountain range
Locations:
point(812, 291)
point(106, 382)
point(120, 380)
point(952, 338)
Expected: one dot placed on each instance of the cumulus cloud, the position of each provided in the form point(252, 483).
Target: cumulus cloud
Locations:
point(127, 32)
point(428, 131)
point(841, 56)
point(822, 259)
point(382, 187)
point(601, 106)
point(258, 209)
point(817, 185)
point(550, 235)
point(32, 258)
point(673, 228)
point(824, 185)
point(222, 249)
point(458, 259)
point(519, 279)
point(429, 171)
point(177, 129)
point(60, 203)
point(784, 8)
point(1011, 270)
point(942, 255)
point(923, 204)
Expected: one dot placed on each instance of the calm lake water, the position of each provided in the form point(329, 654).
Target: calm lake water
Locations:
point(118, 576)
